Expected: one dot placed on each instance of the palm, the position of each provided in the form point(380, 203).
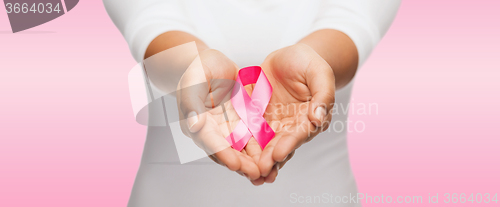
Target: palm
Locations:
point(291, 72)
point(215, 116)
point(220, 120)
point(288, 108)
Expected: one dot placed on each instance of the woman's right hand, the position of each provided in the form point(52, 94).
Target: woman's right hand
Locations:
point(206, 112)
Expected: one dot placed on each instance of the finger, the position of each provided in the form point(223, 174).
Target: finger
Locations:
point(213, 158)
point(252, 153)
point(274, 172)
point(248, 167)
point(288, 143)
point(192, 91)
point(210, 138)
point(266, 161)
point(236, 161)
point(321, 82)
point(282, 164)
point(251, 172)
point(228, 158)
point(241, 173)
point(272, 175)
point(253, 149)
point(259, 181)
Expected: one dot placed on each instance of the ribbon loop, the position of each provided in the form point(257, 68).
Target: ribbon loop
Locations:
point(251, 109)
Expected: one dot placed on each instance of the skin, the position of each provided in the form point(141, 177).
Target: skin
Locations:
point(304, 78)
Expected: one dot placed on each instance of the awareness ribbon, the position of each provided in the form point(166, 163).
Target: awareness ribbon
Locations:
point(251, 109)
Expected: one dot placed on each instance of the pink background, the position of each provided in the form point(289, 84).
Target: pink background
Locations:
point(68, 135)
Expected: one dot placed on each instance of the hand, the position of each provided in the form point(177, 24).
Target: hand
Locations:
point(207, 115)
point(303, 94)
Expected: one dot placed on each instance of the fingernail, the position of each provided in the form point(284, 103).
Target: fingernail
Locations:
point(192, 119)
point(245, 175)
point(284, 158)
point(320, 113)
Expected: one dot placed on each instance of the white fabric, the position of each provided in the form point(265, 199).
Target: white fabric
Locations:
point(247, 31)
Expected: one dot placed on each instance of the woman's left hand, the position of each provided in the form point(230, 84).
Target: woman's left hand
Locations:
point(303, 94)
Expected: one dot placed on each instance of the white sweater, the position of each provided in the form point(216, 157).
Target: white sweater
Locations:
point(247, 31)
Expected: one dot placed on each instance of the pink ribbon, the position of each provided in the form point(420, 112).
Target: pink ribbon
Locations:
point(251, 109)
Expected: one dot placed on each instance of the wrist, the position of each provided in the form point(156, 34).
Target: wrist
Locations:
point(338, 50)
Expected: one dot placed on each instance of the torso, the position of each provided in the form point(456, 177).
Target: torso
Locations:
point(247, 33)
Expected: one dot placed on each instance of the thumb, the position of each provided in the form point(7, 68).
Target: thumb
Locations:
point(321, 82)
point(192, 109)
point(193, 89)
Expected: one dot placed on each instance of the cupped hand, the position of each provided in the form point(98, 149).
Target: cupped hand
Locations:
point(303, 94)
point(206, 112)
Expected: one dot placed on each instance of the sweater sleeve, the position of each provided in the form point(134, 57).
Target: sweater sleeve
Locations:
point(140, 21)
point(364, 21)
